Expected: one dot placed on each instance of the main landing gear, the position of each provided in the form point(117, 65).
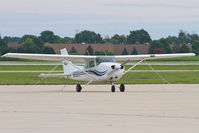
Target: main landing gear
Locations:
point(113, 88)
point(78, 88)
point(122, 88)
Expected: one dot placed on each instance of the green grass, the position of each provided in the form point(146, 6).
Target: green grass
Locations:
point(31, 79)
point(129, 78)
point(60, 68)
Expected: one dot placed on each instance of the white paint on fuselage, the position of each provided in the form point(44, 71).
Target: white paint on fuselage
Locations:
point(105, 71)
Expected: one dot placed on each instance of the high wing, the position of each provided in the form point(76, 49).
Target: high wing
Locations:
point(85, 58)
point(151, 56)
point(53, 57)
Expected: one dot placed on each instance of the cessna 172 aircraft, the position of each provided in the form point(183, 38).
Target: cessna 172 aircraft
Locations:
point(96, 68)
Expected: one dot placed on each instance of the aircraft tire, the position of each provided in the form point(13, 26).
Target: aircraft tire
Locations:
point(112, 88)
point(122, 88)
point(78, 88)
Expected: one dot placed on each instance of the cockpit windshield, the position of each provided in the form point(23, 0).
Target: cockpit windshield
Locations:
point(98, 60)
point(104, 59)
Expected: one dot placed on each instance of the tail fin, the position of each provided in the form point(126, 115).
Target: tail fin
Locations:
point(64, 51)
point(67, 65)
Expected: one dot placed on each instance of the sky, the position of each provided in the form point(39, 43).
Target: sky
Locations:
point(107, 17)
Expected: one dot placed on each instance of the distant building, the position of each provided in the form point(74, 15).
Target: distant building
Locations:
point(13, 45)
point(114, 48)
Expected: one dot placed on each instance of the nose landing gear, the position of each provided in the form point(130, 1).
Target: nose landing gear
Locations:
point(122, 88)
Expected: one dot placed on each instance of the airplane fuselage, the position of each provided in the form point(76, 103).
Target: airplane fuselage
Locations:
point(106, 71)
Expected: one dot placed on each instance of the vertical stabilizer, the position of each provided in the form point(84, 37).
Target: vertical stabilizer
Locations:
point(64, 51)
point(68, 67)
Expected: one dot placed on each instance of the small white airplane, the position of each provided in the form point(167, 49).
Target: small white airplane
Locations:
point(96, 68)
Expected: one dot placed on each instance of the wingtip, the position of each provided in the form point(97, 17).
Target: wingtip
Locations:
point(5, 55)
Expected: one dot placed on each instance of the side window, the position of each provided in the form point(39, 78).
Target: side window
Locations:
point(97, 61)
point(86, 66)
point(89, 64)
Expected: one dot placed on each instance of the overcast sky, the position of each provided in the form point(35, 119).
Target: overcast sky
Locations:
point(107, 17)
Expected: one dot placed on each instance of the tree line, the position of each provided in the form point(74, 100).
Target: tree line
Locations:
point(35, 44)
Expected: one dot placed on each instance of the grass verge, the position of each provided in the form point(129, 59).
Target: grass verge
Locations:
point(129, 78)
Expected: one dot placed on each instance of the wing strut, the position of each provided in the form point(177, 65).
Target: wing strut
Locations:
point(135, 65)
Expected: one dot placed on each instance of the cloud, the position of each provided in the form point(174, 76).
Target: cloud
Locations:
point(103, 16)
point(125, 4)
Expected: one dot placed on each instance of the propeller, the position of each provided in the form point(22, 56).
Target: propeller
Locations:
point(118, 68)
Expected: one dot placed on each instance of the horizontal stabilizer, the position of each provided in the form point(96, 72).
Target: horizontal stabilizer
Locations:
point(52, 75)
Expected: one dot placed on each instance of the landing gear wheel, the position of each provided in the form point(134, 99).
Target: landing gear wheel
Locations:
point(78, 88)
point(122, 88)
point(112, 88)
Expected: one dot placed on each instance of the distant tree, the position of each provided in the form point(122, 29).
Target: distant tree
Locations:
point(184, 37)
point(134, 51)
point(3, 47)
point(73, 50)
point(35, 40)
point(88, 37)
point(124, 52)
point(106, 40)
point(68, 40)
point(184, 48)
point(173, 39)
point(195, 47)
point(165, 45)
point(160, 46)
point(48, 50)
point(58, 39)
point(118, 39)
point(31, 44)
point(48, 37)
point(8, 39)
point(194, 37)
point(89, 50)
point(138, 36)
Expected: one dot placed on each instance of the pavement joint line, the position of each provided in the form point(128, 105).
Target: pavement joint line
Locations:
point(105, 114)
